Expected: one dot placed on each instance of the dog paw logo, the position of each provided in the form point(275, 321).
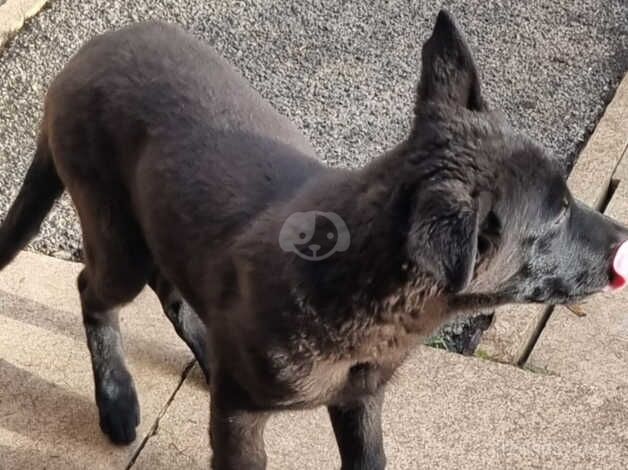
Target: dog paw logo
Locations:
point(314, 235)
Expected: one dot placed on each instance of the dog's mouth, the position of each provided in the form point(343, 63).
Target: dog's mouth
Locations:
point(617, 273)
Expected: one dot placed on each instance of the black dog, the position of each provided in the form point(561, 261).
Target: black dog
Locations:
point(313, 283)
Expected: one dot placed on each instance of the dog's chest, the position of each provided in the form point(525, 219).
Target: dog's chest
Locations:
point(337, 378)
point(332, 364)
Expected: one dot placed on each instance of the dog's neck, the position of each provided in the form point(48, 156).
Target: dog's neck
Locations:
point(374, 279)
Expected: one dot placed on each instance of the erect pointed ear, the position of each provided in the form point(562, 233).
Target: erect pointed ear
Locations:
point(448, 73)
point(443, 237)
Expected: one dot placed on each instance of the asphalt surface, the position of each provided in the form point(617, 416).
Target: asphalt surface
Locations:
point(343, 71)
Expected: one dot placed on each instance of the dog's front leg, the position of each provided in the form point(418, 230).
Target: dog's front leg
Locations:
point(186, 322)
point(236, 433)
point(358, 430)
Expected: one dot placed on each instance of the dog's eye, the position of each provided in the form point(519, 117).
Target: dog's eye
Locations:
point(489, 235)
point(483, 245)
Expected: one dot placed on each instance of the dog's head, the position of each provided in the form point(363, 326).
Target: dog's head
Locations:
point(492, 216)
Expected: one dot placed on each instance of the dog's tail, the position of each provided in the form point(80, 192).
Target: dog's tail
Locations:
point(40, 189)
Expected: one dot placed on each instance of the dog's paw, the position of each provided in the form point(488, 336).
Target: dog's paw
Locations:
point(119, 412)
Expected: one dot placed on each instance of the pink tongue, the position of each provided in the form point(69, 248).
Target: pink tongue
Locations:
point(620, 266)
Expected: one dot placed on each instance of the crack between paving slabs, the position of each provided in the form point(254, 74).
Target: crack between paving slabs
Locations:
point(153, 429)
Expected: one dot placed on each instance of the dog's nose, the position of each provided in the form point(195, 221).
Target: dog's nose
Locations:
point(619, 271)
point(314, 247)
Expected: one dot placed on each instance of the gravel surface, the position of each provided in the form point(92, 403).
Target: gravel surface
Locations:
point(343, 71)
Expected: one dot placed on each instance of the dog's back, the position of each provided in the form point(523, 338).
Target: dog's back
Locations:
point(158, 119)
point(168, 155)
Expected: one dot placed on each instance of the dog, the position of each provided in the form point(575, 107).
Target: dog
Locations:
point(308, 285)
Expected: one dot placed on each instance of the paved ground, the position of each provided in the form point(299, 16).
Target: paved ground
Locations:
point(343, 72)
point(442, 410)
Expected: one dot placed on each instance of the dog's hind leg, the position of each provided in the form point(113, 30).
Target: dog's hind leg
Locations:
point(358, 430)
point(117, 266)
point(116, 398)
point(186, 322)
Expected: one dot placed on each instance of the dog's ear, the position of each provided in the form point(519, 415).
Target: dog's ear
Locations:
point(443, 237)
point(448, 73)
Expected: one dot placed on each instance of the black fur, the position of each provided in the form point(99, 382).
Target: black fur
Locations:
point(38, 193)
point(185, 178)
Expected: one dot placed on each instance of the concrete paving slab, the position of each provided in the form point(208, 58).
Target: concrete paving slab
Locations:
point(591, 349)
point(443, 411)
point(48, 418)
point(621, 172)
point(513, 326)
point(600, 161)
point(13, 14)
